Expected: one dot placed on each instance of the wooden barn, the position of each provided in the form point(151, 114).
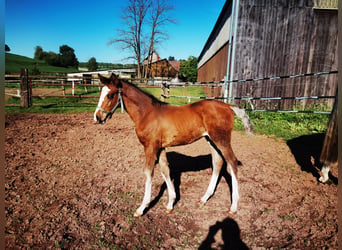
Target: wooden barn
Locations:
point(255, 39)
point(160, 68)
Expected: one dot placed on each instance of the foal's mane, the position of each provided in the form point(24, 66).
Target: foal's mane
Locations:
point(155, 101)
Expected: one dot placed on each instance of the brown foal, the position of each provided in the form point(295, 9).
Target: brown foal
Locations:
point(159, 125)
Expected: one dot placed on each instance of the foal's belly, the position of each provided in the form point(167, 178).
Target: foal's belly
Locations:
point(181, 134)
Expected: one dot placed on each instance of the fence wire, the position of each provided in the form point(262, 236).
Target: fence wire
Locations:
point(67, 82)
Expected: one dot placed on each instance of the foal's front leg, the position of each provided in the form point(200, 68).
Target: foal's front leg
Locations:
point(147, 196)
point(151, 157)
point(165, 171)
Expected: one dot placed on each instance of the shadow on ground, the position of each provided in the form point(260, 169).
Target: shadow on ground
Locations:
point(230, 233)
point(307, 150)
point(178, 164)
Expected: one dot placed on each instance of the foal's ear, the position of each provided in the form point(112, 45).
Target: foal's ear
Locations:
point(103, 79)
point(115, 79)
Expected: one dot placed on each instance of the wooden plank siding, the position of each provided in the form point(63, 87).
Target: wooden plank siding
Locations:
point(161, 68)
point(214, 69)
point(280, 38)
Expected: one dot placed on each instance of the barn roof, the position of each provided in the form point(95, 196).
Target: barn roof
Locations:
point(218, 36)
point(175, 64)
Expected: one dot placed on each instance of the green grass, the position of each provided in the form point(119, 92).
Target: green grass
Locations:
point(286, 125)
point(13, 64)
point(178, 91)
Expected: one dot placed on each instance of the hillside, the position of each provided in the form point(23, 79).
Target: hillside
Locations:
point(13, 64)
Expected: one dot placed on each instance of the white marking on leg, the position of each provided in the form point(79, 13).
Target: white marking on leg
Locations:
point(205, 134)
point(165, 172)
point(325, 174)
point(235, 191)
point(103, 94)
point(211, 188)
point(147, 195)
point(171, 191)
point(217, 164)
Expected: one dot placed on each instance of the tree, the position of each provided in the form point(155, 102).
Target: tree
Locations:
point(51, 58)
point(143, 21)
point(188, 69)
point(130, 38)
point(38, 53)
point(7, 48)
point(92, 65)
point(67, 56)
point(158, 18)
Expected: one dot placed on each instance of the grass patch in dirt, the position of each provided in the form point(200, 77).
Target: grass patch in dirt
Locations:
point(286, 125)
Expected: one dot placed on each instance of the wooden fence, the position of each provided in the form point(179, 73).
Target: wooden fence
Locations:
point(65, 87)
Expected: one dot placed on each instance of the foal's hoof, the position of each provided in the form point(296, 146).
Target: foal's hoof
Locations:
point(201, 203)
point(169, 211)
point(231, 212)
point(323, 179)
point(137, 214)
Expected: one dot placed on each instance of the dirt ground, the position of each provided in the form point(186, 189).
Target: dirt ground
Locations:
point(74, 184)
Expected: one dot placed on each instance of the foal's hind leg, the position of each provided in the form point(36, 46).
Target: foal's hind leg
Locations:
point(233, 165)
point(325, 173)
point(165, 172)
point(217, 162)
point(226, 151)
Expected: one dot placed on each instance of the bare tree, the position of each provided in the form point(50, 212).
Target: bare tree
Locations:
point(159, 18)
point(131, 37)
point(140, 16)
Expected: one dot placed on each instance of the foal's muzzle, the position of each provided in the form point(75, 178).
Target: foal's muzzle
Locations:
point(100, 116)
point(99, 120)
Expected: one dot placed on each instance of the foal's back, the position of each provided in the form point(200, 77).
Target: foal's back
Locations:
point(185, 124)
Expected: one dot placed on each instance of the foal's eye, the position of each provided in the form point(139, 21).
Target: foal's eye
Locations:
point(110, 96)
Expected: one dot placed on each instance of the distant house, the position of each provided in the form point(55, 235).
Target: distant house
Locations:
point(269, 39)
point(161, 68)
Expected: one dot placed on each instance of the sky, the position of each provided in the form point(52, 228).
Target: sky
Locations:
point(88, 26)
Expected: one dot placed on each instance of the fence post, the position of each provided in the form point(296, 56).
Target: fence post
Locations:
point(329, 154)
point(25, 89)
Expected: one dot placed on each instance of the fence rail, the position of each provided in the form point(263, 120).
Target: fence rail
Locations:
point(212, 89)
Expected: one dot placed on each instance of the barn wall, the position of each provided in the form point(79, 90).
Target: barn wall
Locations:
point(285, 38)
point(280, 38)
point(215, 68)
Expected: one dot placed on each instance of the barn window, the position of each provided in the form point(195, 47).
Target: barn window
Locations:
point(325, 4)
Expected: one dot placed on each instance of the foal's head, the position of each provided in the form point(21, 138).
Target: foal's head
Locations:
point(109, 98)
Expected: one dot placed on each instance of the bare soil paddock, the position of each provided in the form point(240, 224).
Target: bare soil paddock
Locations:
point(73, 184)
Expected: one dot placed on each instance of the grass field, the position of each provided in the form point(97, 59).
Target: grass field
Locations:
point(13, 64)
point(68, 104)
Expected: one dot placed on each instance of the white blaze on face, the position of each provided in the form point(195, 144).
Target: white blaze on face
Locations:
point(105, 90)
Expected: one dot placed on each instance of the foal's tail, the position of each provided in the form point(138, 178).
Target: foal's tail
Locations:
point(245, 119)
